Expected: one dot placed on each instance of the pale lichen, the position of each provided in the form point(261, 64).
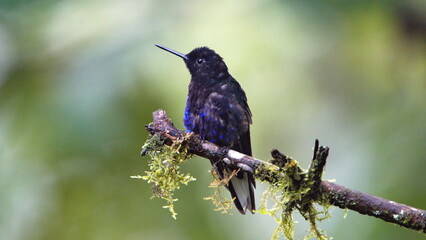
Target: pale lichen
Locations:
point(222, 203)
point(279, 211)
point(291, 191)
point(164, 175)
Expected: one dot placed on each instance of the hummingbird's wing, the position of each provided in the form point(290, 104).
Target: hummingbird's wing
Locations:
point(243, 145)
point(242, 186)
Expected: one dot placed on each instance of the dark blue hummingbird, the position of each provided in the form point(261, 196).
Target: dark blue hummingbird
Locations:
point(217, 110)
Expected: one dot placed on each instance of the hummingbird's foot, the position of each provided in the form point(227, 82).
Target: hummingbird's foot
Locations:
point(235, 160)
point(224, 151)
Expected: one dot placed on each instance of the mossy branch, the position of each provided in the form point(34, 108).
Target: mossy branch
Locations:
point(305, 186)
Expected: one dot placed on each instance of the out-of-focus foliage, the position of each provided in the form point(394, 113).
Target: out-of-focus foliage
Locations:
point(79, 79)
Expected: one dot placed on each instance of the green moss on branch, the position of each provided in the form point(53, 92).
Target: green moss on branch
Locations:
point(164, 175)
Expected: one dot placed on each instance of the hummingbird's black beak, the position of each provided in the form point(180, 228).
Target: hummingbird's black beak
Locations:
point(173, 51)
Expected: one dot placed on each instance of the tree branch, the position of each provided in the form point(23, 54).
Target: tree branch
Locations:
point(322, 192)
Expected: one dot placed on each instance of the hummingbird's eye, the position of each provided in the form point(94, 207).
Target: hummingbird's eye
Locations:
point(200, 60)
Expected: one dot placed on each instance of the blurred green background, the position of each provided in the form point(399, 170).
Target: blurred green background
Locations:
point(79, 79)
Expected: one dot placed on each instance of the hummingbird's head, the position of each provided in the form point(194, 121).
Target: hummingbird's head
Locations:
point(203, 63)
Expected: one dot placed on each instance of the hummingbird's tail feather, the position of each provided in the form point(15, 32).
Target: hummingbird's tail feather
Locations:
point(252, 184)
point(240, 186)
point(243, 183)
point(242, 192)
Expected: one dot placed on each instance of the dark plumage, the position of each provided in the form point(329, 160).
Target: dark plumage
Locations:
point(217, 110)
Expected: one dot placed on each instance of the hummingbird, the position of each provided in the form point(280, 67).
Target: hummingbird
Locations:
point(217, 110)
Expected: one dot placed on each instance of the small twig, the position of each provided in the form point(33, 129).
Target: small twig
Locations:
point(316, 168)
point(323, 192)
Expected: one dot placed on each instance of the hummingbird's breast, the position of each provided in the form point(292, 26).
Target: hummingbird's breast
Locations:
point(214, 114)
